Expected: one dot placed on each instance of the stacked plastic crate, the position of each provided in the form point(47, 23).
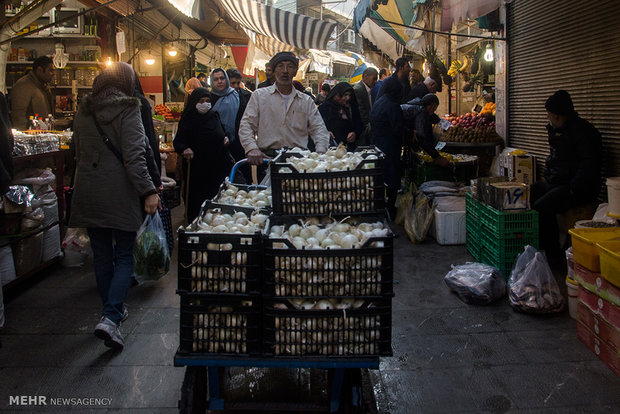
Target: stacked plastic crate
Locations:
point(597, 270)
point(498, 237)
point(219, 281)
point(328, 302)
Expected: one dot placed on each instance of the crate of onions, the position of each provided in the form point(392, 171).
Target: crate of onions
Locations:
point(338, 328)
point(220, 325)
point(324, 257)
point(243, 195)
point(221, 252)
point(305, 183)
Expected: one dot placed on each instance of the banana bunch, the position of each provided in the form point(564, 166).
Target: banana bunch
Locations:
point(455, 67)
point(466, 64)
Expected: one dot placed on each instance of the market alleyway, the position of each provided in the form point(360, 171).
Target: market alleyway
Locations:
point(449, 357)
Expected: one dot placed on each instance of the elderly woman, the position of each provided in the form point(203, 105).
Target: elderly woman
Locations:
point(112, 185)
point(341, 115)
point(201, 139)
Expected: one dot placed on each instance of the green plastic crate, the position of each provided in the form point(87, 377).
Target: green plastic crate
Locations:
point(473, 245)
point(508, 245)
point(504, 262)
point(507, 224)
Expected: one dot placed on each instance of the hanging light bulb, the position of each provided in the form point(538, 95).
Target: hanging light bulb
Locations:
point(172, 52)
point(109, 62)
point(149, 60)
point(488, 55)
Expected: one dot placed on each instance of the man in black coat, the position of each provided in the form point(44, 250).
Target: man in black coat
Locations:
point(429, 85)
point(362, 96)
point(400, 75)
point(572, 170)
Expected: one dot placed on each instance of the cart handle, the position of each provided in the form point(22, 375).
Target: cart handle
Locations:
point(239, 163)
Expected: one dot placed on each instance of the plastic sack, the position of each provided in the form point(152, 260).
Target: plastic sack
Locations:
point(534, 289)
point(476, 283)
point(33, 219)
point(404, 205)
point(34, 177)
point(418, 219)
point(151, 254)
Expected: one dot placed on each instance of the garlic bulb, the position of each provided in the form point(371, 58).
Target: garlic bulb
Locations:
point(258, 197)
point(214, 221)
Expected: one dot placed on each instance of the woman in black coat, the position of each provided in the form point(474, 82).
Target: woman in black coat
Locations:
point(201, 139)
point(386, 124)
point(341, 115)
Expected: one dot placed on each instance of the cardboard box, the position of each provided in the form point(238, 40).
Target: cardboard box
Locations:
point(599, 326)
point(595, 283)
point(509, 196)
point(601, 349)
point(600, 307)
point(519, 168)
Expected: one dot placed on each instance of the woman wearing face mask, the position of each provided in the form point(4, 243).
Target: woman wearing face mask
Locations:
point(341, 115)
point(201, 139)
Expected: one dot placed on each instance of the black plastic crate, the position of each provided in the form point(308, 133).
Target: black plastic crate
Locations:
point(216, 201)
point(223, 325)
point(339, 333)
point(292, 272)
point(172, 197)
point(357, 191)
point(219, 262)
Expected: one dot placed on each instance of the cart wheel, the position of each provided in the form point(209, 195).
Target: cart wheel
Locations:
point(194, 391)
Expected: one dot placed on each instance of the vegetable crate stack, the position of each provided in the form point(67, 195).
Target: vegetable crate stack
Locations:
point(328, 257)
point(219, 281)
point(497, 237)
point(596, 252)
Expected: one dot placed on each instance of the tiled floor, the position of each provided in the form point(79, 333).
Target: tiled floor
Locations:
point(449, 357)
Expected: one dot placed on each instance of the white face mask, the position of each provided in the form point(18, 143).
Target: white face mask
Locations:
point(204, 107)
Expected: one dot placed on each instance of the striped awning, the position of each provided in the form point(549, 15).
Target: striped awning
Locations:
point(293, 29)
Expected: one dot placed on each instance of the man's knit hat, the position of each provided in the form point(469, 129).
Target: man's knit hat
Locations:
point(283, 56)
point(560, 103)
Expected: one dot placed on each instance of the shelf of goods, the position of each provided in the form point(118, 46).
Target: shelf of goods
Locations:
point(464, 168)
point(496, 237)
point(298, 288)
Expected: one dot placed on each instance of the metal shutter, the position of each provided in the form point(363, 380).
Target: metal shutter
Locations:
point(572, 45)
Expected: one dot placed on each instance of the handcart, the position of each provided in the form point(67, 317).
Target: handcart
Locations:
point(207, 359)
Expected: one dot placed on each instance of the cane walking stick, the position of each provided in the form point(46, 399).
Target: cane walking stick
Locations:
point(189, 164)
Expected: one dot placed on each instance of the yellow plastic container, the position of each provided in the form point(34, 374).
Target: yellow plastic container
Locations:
point(585, 251)
point(610, 261)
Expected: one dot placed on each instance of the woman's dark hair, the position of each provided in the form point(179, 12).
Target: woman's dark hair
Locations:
point(326, 88)
point(339, 90)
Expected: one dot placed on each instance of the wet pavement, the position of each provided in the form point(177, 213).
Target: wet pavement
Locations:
point(449, 357)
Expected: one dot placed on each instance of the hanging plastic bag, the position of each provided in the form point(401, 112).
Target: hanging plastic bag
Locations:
point(476, 283)
point(418, 219)
point(405, 204)
point(534, 289)
point(151, 254)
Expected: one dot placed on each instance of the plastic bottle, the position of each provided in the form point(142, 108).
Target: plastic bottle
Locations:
point(51, 122)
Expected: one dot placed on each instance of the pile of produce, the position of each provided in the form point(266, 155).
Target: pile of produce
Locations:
point(471, 127)
point(169, 113)
point(232, 195)
point(220, 330)
point(335, 159)
point(214, 221)
point(310, 234)
point(453, 158)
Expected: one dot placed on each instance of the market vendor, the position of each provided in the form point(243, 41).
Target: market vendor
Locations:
point(280, 116)
point(420, 113)
point(31, 94)
point(572, 170)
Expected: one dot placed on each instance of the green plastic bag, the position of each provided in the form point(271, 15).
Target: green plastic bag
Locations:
point(150, 251)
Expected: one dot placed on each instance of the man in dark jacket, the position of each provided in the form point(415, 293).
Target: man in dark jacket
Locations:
point(572, 170)
point(429, 85)
point(401, 76)
point(362, 95)
point(271, 76)
point(420, 116)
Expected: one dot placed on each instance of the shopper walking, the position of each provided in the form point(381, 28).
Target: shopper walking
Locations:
point(111, 179)
point(341, 115)
point(386, 125)
point(202, 141)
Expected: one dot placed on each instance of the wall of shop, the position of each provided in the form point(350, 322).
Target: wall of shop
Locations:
point(564, 45)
